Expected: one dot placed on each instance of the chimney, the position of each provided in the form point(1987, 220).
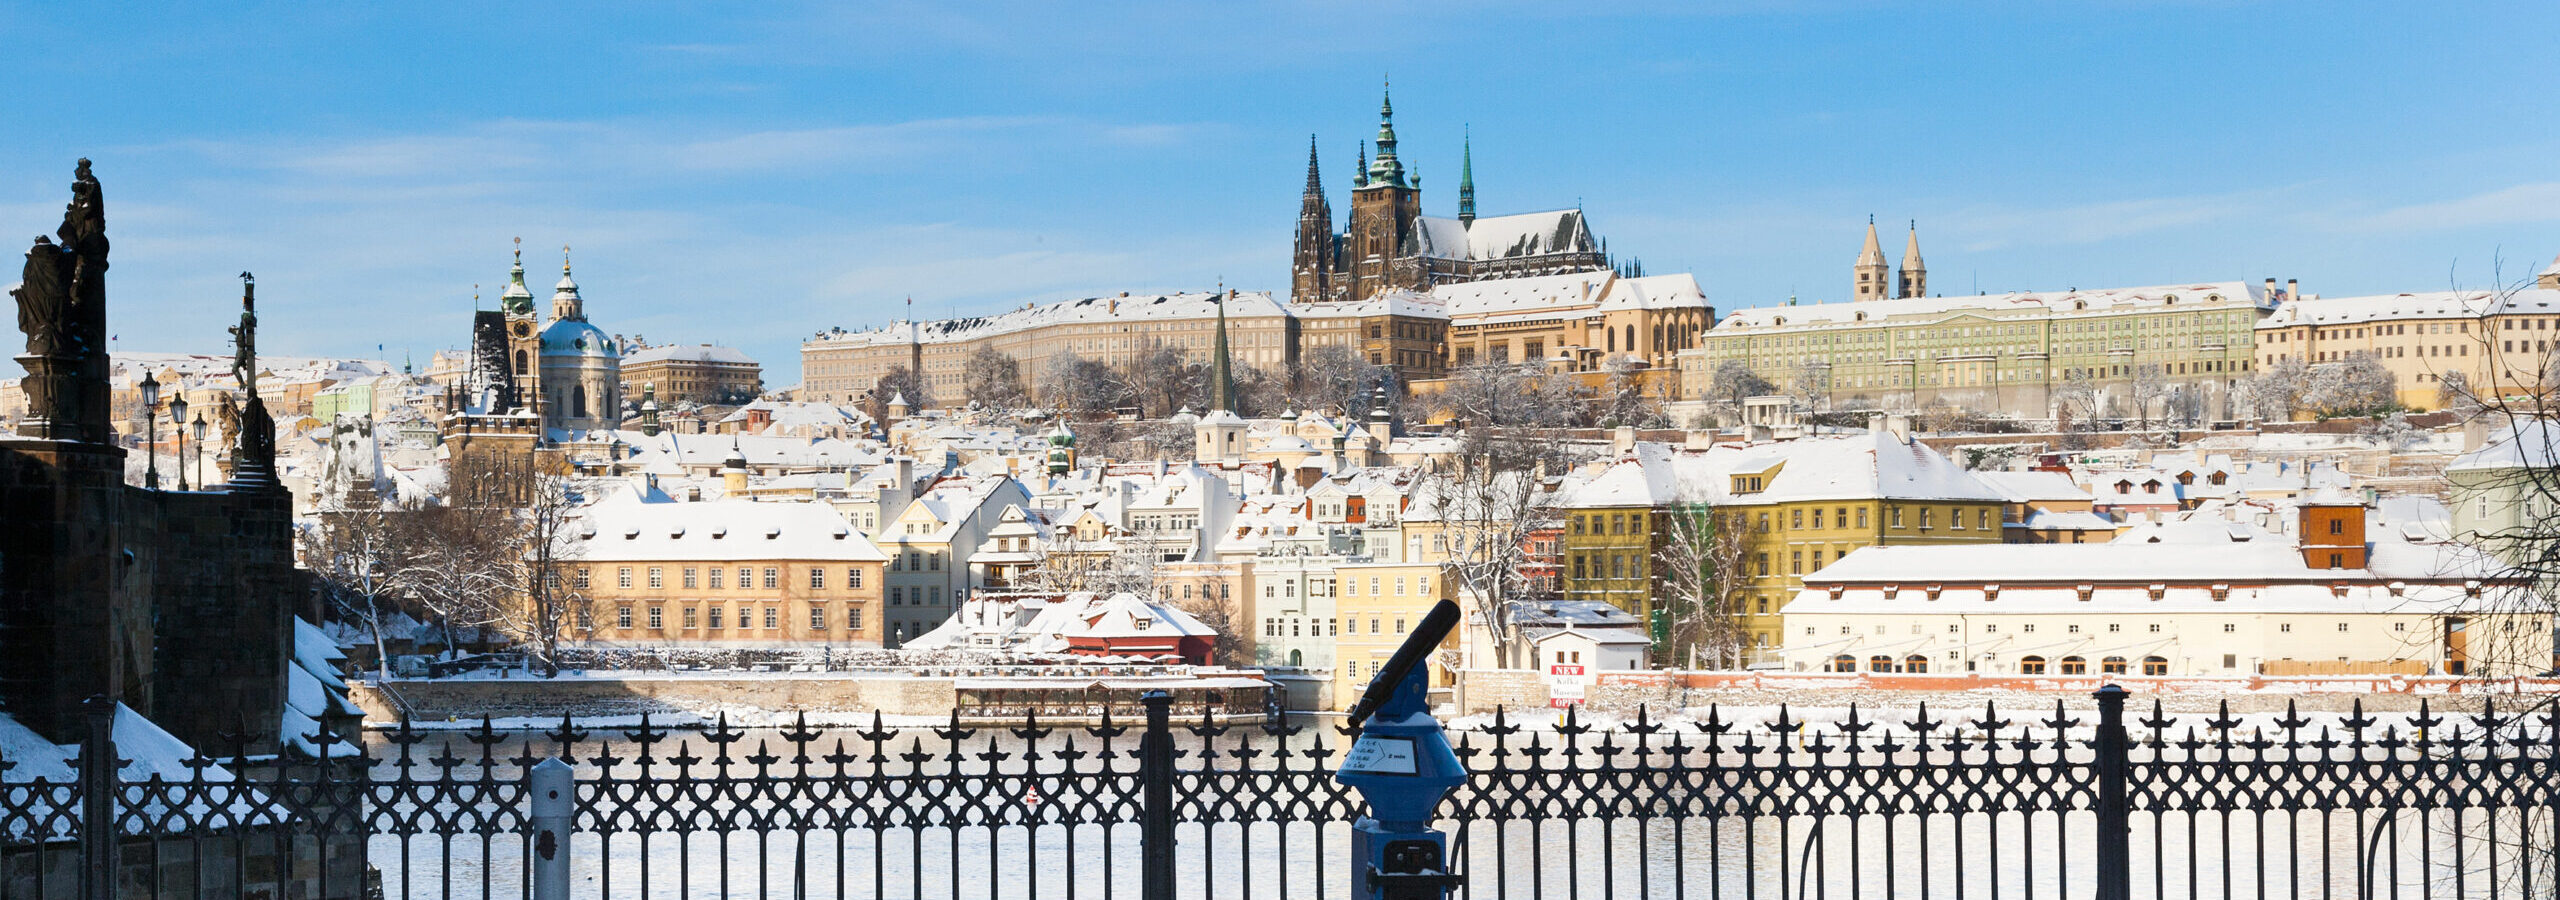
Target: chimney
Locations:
point(2293, 289)
point(2271, 287)
point(1875, 421)
point(1622, 440)
point(1900, 427)
point(2475, 433)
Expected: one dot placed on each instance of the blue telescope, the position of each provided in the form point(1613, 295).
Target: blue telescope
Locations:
point(1401, 764)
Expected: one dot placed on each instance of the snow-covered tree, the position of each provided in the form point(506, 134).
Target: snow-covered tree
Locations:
point(992, 379)
point(1701, 557)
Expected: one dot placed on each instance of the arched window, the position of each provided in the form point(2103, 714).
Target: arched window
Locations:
point(2031, 665)
point(1915, 663)
point(1613, 340)
point(1844, 663)
point(1631, 338)
point(1297, 658)
point(2074, 665)
point(2153, 665)
point(2113, 665)
point(1880, 663)
point(519, 362)
point(578, 400)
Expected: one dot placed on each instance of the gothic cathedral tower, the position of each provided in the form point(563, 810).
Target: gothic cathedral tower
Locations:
point(1383, 208)
point(1312, 265)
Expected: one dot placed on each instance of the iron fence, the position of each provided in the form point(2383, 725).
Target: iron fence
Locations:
point(1744, 805)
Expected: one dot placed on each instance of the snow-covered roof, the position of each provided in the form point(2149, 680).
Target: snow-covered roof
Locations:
point(703, 353)
point(2523, 443)
point(2111, 300)
point(1091, 310)
point(629, 528)
point(2033, 487)
point(2138, 562)
point(1504, 237)
point(2428, 305)
point(1384, 303)
point(1576, 291)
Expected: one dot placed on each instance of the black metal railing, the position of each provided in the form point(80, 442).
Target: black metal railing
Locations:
point(1733, 803)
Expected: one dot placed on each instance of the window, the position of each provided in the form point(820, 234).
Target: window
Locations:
point(2155, 628)
point(2074, 665)
point(897, 596)
point(1373, 626)
point(1796, 521)
point(688, 617)
point(853, 618)
point(715, 617)
point(772, 578)
point(1399, 626)
point(853, 577)
point(2153, 665)
point(817, 618)
point(817, 578)
point(622, 579)
point(1862, 517)
point(1795, 563)
point(692, 578)
point(1897, 516)
point(2342, 627)
point(622, 617)
point(933, 561)
point(2228, 627)
point(770, 615)
point(746, 578)
point(657, 617)
point(657, 577)
point(2230, 661)
point(715, 577)
point(2031, 665)
point(2285, 627)
point(582, 579)
point(2113, 665)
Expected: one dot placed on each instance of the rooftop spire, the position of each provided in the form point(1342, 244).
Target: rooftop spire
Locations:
point(1911, 250)
point(1873, 253)
point(1360, 170)
point(1222, 379)
point(1315, 181)
point(1385, 170)
point(516, 299)
point(1467, 179)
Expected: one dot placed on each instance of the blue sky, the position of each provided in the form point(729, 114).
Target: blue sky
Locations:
point(752, 173)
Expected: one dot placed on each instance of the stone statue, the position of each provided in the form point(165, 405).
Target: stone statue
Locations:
point(44, 297)
point(62, 308)
point(244, 338)
point(227, 416)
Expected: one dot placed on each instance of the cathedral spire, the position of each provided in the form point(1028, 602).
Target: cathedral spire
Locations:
point(1222, 379)
point(1315, 181)
point(565, 303)
point(1360, 170)
point(1467, 180)
point(1386, 170)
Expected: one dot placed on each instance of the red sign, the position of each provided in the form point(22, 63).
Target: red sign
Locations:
point(1564, 670)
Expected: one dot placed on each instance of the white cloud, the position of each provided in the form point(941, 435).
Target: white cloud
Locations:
point(2516, 204)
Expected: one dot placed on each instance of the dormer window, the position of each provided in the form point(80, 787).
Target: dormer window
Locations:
point(1991, 592)
point(2159, 590)
point(2085, 590)
point(2221, 591)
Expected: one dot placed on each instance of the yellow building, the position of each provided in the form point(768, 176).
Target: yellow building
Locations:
point(701, 373)
point(729, 573)
point(1379, 603)
point(840, 366)
point(2496, 343)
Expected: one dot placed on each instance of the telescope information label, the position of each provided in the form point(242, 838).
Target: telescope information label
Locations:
point(1375, 755)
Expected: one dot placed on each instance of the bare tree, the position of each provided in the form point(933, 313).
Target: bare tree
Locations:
point(1332, 378)
point(1701, 558)
point(458, 564)
point(1809, 385)
point(356, 557)
point(1083, 387)
point(2276, 391)
point(992, 379)
point(1627, 403)
point(2149, 387)
point(1164, 380)
point(1067, 562)
point(554, 597)
point(1734, 382)
point(1490, 500)
point(899, 382)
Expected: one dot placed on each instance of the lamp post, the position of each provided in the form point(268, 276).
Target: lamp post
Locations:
point(178, 423)
point(199, 428)
point(151, 425)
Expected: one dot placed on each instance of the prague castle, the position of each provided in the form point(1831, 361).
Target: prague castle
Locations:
point(1391, 245)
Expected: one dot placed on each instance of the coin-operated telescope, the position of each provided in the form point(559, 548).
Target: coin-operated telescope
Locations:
point(1402, 765)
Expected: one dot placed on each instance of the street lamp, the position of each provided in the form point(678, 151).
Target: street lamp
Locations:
point(178, 423)
point(151, 423)
point(199, 427)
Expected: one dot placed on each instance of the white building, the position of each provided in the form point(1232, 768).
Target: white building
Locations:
point(2253, 604)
